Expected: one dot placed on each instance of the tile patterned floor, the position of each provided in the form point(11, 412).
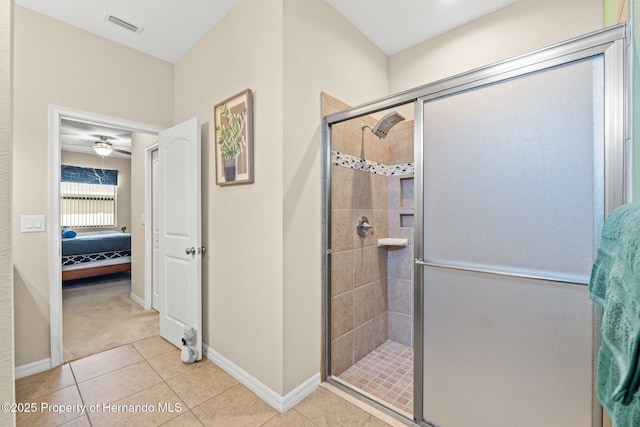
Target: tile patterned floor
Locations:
point(386, 374)
point(146, 384)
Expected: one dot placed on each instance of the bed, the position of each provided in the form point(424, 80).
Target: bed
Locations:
point(95, 253)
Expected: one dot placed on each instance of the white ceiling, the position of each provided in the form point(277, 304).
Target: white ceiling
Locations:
point(172, 27)
point(394, 26)
point(80, 137)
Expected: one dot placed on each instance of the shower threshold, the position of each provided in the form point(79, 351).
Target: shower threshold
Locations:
point(385, 375)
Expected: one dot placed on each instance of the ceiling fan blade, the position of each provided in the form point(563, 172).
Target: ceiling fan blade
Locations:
point(76, 143)
point(121, 151)
point(102, 137)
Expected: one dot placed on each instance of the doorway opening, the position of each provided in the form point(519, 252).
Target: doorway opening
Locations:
point(93, 295)
point(100, 223)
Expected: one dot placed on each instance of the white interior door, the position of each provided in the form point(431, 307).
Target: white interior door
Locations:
point(156, 300)
point(179, 215)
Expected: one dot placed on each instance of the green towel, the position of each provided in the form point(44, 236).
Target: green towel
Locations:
point(615, 285)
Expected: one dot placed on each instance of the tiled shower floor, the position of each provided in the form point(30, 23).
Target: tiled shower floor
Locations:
point(386, 374)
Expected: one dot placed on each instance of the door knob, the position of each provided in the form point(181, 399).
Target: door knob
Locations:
point(190, 251)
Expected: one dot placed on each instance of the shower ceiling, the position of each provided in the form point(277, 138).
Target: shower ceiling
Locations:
point(170, 28)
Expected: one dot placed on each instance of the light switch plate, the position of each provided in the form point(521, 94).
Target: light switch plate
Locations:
point(32, 224)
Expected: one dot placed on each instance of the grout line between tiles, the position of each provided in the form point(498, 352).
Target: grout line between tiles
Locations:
point(304, 416)
point(378, 374)
point(161, 380)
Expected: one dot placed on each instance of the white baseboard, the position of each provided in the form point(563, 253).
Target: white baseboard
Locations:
point(137, 299)
point(298, 394)
point(33, 368)
point(279, 403)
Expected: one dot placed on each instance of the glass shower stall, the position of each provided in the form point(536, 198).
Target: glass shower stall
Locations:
point(458, 245)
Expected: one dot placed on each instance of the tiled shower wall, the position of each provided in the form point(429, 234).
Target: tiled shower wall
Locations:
point(365, 311)
point(400, 224)
point(359, 318)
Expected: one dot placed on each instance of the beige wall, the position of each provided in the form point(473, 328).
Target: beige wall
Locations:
point(6, 271)
point(139, 141)
point(522, 27)
point(59, 64)
point(322, 52)
point(242, 225)
point(123, 166)
point(615, 11)
point(263, 278)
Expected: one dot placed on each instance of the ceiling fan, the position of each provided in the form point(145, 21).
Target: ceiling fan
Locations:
point(103, 147)
point(84, 137)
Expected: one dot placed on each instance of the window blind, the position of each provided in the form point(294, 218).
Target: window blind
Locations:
point(88, 197)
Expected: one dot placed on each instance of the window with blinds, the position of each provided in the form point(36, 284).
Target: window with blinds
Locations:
point(88, 197)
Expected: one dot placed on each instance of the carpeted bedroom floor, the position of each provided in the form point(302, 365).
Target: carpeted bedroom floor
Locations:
point(99, 315)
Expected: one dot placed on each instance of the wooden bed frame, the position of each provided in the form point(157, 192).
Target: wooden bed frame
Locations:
point(82, 273)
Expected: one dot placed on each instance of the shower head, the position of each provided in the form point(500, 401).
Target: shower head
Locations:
point(384, 125)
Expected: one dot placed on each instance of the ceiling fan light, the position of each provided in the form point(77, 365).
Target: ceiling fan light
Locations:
point(102, 148)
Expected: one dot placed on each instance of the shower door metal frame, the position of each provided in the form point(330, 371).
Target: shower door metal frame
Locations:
point(609, 43)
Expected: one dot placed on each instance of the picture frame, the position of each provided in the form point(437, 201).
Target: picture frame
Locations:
point(233, 139)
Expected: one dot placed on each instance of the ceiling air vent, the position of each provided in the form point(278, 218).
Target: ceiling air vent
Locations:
point(122, 23)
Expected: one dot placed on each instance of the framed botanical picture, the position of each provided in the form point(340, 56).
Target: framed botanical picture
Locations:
point(233, 125)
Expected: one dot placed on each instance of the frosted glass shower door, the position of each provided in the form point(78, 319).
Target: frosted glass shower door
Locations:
point(513, 206)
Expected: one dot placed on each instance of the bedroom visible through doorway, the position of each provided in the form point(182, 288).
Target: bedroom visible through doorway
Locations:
point(99, 312)
point(97, 203)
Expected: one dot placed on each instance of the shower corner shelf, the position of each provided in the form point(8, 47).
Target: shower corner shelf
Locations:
point(393, 242)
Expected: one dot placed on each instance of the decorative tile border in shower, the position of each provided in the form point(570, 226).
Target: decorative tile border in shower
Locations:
point(356, 163)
